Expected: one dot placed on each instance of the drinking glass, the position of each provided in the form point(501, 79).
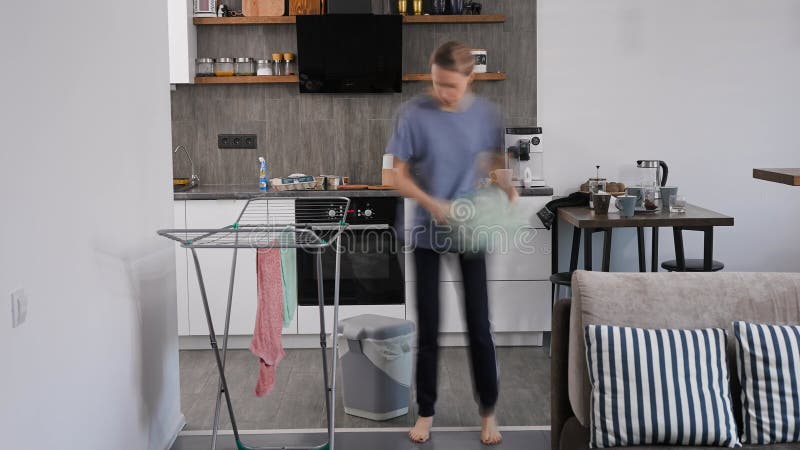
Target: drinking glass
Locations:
point(438, 6)
point(649, 198)
point(677, 203)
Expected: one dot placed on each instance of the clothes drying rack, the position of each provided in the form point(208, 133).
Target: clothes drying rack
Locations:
point(304, 223)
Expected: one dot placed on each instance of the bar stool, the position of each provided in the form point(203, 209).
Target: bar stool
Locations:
point(564, 279)
point(681, 264)
point(559, 280)
point(691, 265)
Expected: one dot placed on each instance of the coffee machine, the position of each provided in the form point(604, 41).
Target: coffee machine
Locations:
point(525, 156)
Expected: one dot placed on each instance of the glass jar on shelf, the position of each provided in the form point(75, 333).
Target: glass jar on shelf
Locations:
point(205, 67)
point(223, 67)
point(264, 67)
point(245, 67)
point(277, 68)
point(288, 64)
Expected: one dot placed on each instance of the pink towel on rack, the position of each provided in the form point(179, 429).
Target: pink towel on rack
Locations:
point(266, 343)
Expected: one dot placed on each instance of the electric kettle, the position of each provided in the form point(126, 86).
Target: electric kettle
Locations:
point(653, 172)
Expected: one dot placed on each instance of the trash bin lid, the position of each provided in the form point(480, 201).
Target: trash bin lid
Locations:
point(373, 326)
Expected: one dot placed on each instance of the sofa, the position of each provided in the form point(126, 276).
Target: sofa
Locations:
point(655, 300)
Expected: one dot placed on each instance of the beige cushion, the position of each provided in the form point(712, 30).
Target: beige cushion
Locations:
point(671, 300)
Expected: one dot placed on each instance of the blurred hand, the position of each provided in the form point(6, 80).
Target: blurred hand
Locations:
point(439, 209)
point(513, 195)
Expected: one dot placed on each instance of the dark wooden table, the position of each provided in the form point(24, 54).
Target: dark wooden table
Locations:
point(585, 220)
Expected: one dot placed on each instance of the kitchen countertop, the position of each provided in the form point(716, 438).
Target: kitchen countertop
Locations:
point(247, 191)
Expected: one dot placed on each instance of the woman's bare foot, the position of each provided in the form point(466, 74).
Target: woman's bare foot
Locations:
point(422, 430)
point(490, 434)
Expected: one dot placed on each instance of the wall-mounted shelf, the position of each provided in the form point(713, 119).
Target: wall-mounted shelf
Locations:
point(283, 20)
point(248, 80)
point(480, 18)
point(491, 76)
point(287, 79)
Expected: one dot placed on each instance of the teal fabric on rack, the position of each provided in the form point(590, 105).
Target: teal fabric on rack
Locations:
point(289, 278)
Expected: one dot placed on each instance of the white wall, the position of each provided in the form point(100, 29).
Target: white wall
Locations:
point(710, 86)
point(84, 184)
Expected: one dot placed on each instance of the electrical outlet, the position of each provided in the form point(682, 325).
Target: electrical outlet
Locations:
point(237, 141)
point(19, 307)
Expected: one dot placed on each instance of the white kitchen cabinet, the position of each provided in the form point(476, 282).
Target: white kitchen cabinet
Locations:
point(216, 266)
point(531, 262)
point(182, 41)
point(528, 259)
point(308, 316)
point(181, 273)
point(514, 306)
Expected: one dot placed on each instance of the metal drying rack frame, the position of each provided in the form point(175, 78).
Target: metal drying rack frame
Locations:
point(308, 223)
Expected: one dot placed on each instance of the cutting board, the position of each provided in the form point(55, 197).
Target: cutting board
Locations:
point(381, 187)
point(304, 7)
point(352, 187)
point(256, 8)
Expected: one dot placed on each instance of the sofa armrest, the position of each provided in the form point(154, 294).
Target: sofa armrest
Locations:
point(560, 409)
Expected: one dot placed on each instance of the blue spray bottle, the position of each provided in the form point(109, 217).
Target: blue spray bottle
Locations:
point(263, 186)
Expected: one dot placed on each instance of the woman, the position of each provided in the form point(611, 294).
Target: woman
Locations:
point(441, 143)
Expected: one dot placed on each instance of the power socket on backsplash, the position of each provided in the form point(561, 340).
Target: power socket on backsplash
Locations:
point(237, 141)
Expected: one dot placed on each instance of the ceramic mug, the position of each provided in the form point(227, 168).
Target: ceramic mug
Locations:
point(501, 177)
point(637, 192)
point(601, 203)
point(626, 205)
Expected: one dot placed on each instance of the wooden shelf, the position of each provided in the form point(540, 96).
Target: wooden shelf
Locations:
point(283, 20)
point(287, 79)
point(783, 176)
point(481, 18)
point(244, 20)
point(248, 80)
point(491, 76)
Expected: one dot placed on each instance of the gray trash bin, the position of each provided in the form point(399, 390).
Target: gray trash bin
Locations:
point(376, 359)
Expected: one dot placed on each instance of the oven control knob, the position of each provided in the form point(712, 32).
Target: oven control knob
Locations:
point(368, 212)
point(331, 212)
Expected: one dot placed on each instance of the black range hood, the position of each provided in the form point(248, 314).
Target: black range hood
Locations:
point(350, 53)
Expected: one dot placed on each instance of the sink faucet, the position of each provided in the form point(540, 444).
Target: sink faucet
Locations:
point(194, 180)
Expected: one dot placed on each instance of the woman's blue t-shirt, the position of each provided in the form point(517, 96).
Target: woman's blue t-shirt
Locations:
point(446, 151)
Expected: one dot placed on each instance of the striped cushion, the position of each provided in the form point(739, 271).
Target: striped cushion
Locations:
point(769, 367)
point(659, 387)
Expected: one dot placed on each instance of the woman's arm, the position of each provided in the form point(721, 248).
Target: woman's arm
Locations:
point(498, 161)
point(439, 209)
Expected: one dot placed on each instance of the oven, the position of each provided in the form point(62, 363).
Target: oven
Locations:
point(371, 266)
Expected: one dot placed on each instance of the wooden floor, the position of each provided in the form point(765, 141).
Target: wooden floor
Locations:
point(297, 400)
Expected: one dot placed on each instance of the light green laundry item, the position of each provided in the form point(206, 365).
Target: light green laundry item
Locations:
point(289, 278)
point(487, 221)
